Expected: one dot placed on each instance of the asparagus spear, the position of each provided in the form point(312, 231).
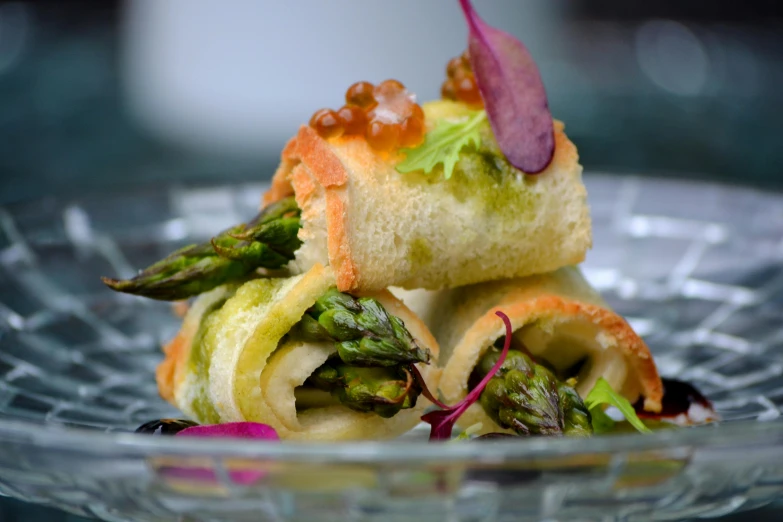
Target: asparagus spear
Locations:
point(366, 335)
point(527, 398)
point(374, 349)
point(268, 241)
point(383, 391)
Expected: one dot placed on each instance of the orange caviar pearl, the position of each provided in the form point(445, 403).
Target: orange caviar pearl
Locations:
point(467, 91)
point(386, 115)
point(361, 95)
point(417, 112)
point(453, 66)
point(382, 136)
point(352, 119)
point(389, 88)
point(411, 132)
point(326, 124)
point(460, 84)
point(461, 74)
point(447, 90)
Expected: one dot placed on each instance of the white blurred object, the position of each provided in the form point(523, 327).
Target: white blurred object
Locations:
point(242, 76)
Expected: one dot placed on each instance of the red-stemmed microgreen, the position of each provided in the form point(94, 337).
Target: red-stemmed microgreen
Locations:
point(442, 421)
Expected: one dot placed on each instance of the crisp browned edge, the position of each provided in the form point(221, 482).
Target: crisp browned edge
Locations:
point(171, 371)
point(306, 157)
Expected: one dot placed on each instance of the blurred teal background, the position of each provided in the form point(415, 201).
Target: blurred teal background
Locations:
point(103, 94)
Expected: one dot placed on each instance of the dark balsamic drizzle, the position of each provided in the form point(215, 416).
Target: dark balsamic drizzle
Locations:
point(165, 426)
point(679, 399)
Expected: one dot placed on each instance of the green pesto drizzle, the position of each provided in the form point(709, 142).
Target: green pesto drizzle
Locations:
point(199, 362)
point(485, 179)
point(419, 254)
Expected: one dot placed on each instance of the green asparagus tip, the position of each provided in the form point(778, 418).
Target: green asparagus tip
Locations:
point(268, 241)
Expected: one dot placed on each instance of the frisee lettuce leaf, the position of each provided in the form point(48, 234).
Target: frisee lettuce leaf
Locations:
point(443, 144)
point(602, 393)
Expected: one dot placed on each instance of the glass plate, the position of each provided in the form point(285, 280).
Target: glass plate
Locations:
point(696, 268)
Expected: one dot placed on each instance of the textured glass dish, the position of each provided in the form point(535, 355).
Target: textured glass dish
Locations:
point(697, 268)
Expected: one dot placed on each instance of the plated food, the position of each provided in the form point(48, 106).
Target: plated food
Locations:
point(377, 227)
point(565, 338)
point(298, 355)
point(472, 209)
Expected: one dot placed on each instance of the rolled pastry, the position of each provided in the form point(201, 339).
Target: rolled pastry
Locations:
point(558, 317)
point(377, 227)
point(228, 363)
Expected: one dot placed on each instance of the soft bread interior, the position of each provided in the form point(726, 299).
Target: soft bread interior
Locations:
point(313, 233)
point(577, 344)
point(416, 230)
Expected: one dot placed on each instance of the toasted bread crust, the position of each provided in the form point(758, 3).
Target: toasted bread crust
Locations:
point(362, 190)
point(338, 245)
point(308, 159)
point(175, 353)
point(281, 187)
point(550, 305)
point(316, 153)
point(565, 150)
point(463, 321)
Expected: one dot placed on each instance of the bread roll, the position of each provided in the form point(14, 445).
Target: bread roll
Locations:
point(227, 363)
point(558, 317)
point(377, 227)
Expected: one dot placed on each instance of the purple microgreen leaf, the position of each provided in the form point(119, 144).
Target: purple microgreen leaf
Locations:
point(513, 94)
point(442, 421)
point(238, 430)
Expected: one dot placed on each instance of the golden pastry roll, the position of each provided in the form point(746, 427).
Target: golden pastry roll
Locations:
point(238, 357)
point(558, 318)
point(377, 227)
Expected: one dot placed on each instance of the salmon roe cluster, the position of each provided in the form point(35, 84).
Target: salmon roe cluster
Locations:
point(386, 114)
point(460, 84)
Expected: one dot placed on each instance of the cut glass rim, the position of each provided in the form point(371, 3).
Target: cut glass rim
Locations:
point(737, 434)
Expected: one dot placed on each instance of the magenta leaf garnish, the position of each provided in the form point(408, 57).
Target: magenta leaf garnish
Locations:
point(241, 430)
point(442, 421)
point(513, 94)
